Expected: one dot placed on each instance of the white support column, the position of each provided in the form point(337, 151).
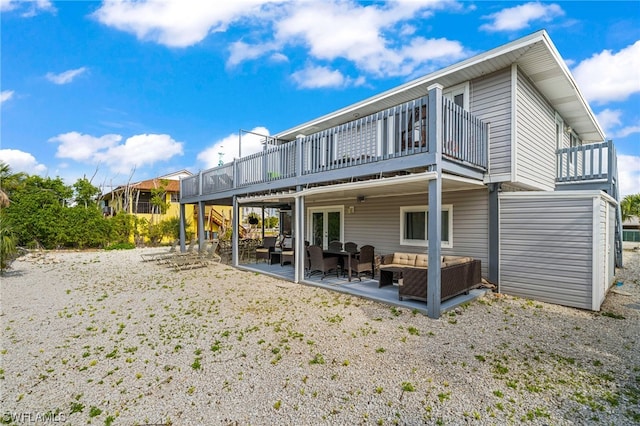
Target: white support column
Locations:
point(434, 227)
point(300, 247)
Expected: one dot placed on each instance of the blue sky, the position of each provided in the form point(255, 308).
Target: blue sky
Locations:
point(107, 89)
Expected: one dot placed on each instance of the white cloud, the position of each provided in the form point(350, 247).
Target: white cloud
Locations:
point(226, 149)
point(629, 174)
point(372, 36)
point(21, 161)
point(314, 77)
point(522, 16)
point(330, 31)
point(80, 147)
point(6, 95)
point(608, 76)
point(66, 76)
point(34, 6)
point(174, 23)
point(137, 151)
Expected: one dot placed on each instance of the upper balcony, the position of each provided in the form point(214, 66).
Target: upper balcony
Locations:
point(590, 166)
point(387, 142)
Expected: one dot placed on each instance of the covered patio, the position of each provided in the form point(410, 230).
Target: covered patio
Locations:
point(367, 288)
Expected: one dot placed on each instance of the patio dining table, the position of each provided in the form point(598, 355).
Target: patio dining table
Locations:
point(347, 255)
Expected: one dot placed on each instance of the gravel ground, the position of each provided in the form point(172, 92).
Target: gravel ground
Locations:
point(103, 338)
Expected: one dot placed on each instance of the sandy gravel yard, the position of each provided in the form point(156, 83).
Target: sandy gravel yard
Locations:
point(102, 338)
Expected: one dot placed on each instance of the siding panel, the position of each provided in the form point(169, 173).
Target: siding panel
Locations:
point(490, 100)
point(546, 249)
point(377, 222)
point(536, 137)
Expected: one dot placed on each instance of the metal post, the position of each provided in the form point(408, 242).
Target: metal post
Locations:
point(201, 225)
point(235, 227)
point(434, 226)
point(182, 227)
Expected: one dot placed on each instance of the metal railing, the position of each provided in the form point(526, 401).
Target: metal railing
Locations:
point(586, 162)
point(395, 132)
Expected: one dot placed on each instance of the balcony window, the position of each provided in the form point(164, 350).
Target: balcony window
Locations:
point(414, 225)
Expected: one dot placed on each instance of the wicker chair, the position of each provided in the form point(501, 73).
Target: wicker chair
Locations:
point(335, 246)
point(364, 262)
point(351, 247)
point(319, 263)
point(288, 254)
point(264, 251)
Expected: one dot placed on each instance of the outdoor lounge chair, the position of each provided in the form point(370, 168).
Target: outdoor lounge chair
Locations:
point(351, 247)
point(319, 263)
point(148, 257)
point(195, 260)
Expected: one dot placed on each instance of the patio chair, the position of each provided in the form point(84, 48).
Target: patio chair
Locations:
point(264, 251)
point(167, 258)
point(351, 247)
point(288, 254)
point(364, 262)
point(335, 246)
point(319, 263)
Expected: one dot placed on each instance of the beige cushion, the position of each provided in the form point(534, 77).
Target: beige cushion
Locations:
point(422, 260)
point(458, 261)
point(287, 252)
point(262, 250)
point(404, 259)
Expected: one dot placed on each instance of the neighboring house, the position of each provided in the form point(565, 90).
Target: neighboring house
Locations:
point(136, 198)
point(631, 233)
point(502, 146)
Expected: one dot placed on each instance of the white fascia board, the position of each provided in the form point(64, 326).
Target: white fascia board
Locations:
point(559, 194)
point(369, 183)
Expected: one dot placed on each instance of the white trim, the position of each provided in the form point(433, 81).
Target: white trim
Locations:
point(559, 194)
point(497, 177)
point(324, 210)
point(418, 177)
point(459, 89)
point(425, 243)
point(595, 249)
point(514, 121)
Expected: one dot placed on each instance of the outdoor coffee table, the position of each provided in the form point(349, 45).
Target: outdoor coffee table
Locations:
point(386, 275)
point(275, 257)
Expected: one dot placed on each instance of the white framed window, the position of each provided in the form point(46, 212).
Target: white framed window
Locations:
point(414, 225)
point(458, 94)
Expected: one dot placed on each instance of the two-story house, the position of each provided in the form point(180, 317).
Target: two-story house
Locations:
point(498, 157)
point(136, 198)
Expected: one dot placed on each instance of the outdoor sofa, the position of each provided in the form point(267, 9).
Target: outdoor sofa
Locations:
point(458, 275)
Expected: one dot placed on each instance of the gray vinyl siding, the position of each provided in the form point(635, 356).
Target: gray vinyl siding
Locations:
point(490, 100)
point(546, 249)
point(377, 222)
point(535, 138)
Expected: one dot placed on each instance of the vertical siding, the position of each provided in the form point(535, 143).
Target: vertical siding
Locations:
point(546, 248)
point(612, 244)
point(490, 100)
point(536, 137)
point(377, 222)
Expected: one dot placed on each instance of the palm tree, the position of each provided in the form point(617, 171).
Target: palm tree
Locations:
point(630, 207)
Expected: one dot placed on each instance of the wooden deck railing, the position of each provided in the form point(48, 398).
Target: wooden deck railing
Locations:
point(395, 132)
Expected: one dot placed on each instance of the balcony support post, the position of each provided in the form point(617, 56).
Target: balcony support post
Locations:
point(201, 225)
point(434, 223)
point(183, 220)
point(235, 228)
